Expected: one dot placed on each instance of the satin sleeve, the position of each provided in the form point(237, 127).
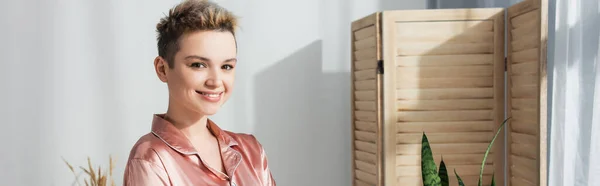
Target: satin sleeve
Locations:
point(139, 172)
point(267, 176)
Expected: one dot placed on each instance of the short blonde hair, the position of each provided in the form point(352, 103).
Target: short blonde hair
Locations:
point(191, 16)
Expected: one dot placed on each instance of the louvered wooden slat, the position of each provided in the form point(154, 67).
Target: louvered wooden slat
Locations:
point(366, 146)
point(448, 104)
point(365, 44)
point(413, 49)
point(367, 116)
point(528, 163)
point(523, 19)
point(463, 115)
point(524, 103)
point(362, 183)
point(464, 170)
point(454, 137)
point(365, 32)
point(365, 105)
point(526, 68)
point(365, 22)
point(520, 182)
point(366, 126)
point(365, 85)
point(368, 74)
point(365, 95)
point(366, 156)
point(449, 159)
point(463, 148)
point(524, 173)
point(444, 37)
point(367, 53)
point(525, 115)
point(367, 167)
point(445, 126)
point(468, 180)
point(441, 82)
point(365, 64)
point(525, 150)
point(527, 42)
point(448, 27)
point(366, 177)
point(525, 127)
point(529, 28)
point(444, 60)
point(524, 80)
point(521, 138)
point(366, 136)
point(446, 93)
point(444, 72)
point(528, 55)
point(528, 91)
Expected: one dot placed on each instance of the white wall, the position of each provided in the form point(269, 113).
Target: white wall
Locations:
point(77, 80)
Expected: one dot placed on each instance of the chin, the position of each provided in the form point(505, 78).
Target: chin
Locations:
point(209, 109)
point(209, 113)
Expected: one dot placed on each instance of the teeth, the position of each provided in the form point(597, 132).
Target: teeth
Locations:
point(211, 95)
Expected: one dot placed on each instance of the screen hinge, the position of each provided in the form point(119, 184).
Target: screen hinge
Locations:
point(380, 66)
point(505, 64)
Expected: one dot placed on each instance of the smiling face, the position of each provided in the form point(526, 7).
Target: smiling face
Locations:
point(203, 72)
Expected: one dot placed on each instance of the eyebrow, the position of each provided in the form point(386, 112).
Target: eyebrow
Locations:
point(208, 60)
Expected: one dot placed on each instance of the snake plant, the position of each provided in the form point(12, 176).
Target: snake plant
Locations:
point(432, 177)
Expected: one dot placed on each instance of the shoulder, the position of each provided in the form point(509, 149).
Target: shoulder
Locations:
point(146, 148)
point(243, 138)
point(252, 150)
point(247, 142)
point(144, 166)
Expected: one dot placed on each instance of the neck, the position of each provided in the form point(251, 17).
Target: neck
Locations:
point(190, 123)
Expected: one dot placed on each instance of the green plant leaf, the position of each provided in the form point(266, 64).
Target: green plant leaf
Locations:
point(443, 174)
point(428, 168)
point(493, 182)
point(488, 151)
point(460, 182)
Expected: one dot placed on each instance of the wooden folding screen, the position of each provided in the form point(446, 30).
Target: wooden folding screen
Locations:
point(442, 72)
point(366, 106)
point(445, 77)
point(527, 33)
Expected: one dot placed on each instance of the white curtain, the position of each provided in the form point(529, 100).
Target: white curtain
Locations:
point(574, 93)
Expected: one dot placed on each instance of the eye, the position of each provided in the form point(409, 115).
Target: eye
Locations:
point(198, 65)
point(227, 67)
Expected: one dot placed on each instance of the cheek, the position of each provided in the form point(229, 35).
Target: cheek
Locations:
point(193, 81)
point(229, 82)
point(186, 81)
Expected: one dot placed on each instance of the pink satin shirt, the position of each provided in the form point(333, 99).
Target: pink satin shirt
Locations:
point(166, 157)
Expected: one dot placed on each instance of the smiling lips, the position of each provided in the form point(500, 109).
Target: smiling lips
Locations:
point(210, 96)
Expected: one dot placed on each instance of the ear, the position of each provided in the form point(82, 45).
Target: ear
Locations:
point(161, 66)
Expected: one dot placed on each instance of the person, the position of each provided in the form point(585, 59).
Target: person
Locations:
point(196, 59)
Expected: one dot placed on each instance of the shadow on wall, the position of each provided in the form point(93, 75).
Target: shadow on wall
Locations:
point(308, 113)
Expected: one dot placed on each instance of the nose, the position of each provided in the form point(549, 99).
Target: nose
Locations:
point(214, 79)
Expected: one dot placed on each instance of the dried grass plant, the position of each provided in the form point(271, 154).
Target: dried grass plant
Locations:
point(94, 178)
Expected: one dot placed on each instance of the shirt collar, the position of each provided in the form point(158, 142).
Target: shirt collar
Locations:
point(175, 139)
